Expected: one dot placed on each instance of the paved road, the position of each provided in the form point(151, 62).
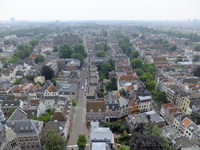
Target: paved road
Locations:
point(78, 125)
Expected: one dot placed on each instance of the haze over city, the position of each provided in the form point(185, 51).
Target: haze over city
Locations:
point(99, 9)
point(99, 74)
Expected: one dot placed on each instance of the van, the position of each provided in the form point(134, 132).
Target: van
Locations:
point(82, 87)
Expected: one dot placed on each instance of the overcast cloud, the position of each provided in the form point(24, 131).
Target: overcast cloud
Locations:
point(99, 9)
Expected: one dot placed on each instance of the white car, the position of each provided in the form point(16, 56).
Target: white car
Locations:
point(82, 87)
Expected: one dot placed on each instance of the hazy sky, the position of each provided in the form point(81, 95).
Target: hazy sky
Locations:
point(99, 9)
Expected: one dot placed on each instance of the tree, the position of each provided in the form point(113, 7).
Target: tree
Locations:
point(196, 71)
point(151, 85)
point(55, 49)
point(195, 58)
point(7, 42)
point(79, 48)
point(53, 141)
point(160, 97)
point(65, 51)
point(47, 72)
point(77, 56)
point(73, 102)
point(195, 116)
point(101, 54)
point(179, 59)
point(197, 47)
point(39, 58)
point(146, 77)
point(81, 142)
point(139, 72)
point(112, 85)
point(147, 128)
point(173, 48)
point(1, 50)
point(34, 42)
point(105, 33)
point(154, 130)
point(122, 92)
point(13, 59)
point(122, 148)
point(143, 141)
point(134, 54)
point(106, 67)
point(136, 63)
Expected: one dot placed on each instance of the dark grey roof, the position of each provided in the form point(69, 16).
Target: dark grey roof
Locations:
point(18, 114)
point(68, 87)
point(182, 142)
point(30, 112)
point(55, 126)
point(10, 102)
point(27, 127)
point(109, 98)
point(191, 80)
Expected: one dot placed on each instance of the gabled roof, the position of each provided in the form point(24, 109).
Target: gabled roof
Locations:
point(128, 77)
point(51, 88)
point(109, 98)
point(32, 102)
point(58, 116)
point(167, 105)
point(18, 114)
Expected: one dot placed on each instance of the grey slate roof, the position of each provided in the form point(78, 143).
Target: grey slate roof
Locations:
point(68, 87)
point(192, 127)
point(55, 125)
point(26, 127)
point(31, 112)
point(10, 102)
point(100, 134)
point(18, 114)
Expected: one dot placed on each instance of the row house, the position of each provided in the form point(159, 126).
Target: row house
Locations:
point(68, 64)
point(95, 110)
point(144, 103)
point(169, 111)
point(136, 120)
point(8, 106)
point(51, 91)
point(68, 89)
point(188, 128)
point(8, 48)
point(111, 107)
point(62, 116)
point(189, 103)
point(5, 88)
point(36, 105)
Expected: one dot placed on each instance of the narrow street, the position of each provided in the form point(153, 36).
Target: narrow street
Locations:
point(78, 125)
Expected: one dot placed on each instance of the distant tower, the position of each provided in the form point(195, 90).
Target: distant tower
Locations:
point(2, 118)
point(12, 20)
point(56, 23)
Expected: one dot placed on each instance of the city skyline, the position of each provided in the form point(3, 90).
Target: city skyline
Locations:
point(99, 10)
